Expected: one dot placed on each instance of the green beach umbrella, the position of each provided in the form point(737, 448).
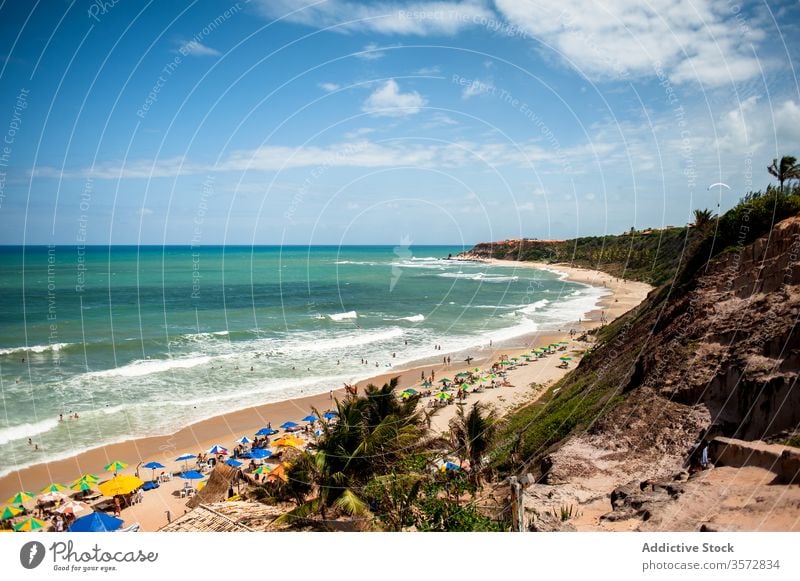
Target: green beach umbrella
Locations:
point(443, 396)
point(263, 469)
point(463, 387)
point(20, 497)
point(115, 466)
point(88, 478)
point(53, 488)
point(463, 374)
point(410, 391)
point(563, 342)
point(445, 380)
point(10, 512)
point(81, 485)
point(565, 358)
point(30, 524)
point(427, 384)
point(505, 363)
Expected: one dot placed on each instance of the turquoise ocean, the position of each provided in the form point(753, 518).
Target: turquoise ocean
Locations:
point(145, 340)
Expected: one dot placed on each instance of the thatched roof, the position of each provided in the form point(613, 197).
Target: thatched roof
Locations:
point(205, 519)
point(218, 485)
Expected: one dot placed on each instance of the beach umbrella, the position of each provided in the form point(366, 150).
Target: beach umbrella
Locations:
point(30, 524)
point(463, 387)
point(505, 363)
point(445, 380)
point(185, 458)
point(20, 497)
point(97, 522)
point(191, 475)
point(73, 507)
point(217, 449)
point(288, 441)
point(563, 342)
point(515, 359)
point(442, 396)
point(201, 485)
point(565, 358)
point(329, 415)
point(244, 440)
point(87, 477)
point(263, 469)
point(266, 432)
point(426, 384)
point(287, 425)
point(122, 484)
point(115, 466)
point(310, 418)
point(232, 462)
point(463, 374)
point(53, 488)
point(259, 453)
point(10, 512)
point(154, 466)
point(82, 485)
point(54, 497)
point(410, 391)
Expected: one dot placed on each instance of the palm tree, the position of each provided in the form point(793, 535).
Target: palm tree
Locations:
point(471, 435)
point(786, 169)
point(369, 438)
point(702, 217)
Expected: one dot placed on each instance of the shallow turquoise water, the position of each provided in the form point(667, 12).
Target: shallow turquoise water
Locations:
point(144, 340)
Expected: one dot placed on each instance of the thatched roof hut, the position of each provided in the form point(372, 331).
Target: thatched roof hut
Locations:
point(219, 483)
point(204, 519)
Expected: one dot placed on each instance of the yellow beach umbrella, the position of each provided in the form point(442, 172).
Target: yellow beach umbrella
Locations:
point(263, 469)
point(122, 484)
point(10, 512)
point(20, 497)
point(82, 485)
point(30, 524)
point(53, 488)
point(115, 466)
point(91, 478)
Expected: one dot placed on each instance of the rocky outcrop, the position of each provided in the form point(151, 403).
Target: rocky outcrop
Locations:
point(784, 461)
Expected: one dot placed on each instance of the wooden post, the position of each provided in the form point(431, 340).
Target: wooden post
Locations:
point(517, 524)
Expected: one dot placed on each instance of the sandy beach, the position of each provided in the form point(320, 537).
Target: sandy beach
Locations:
point(151, 514)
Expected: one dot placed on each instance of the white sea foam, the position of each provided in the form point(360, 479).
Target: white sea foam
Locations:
point(533, 307)
point(349, 315)
point(479, 276)
point(34, 348)
point(412, 318)
point(142, 367)
point(24, 431)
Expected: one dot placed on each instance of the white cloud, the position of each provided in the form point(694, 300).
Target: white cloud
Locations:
point(328, 87)
point(388, 101)
point(371, 52)
point(405, 18)
point(195, 48)
point(425, 71)
point(753, 125)
point(477, 87)
point(691, 40)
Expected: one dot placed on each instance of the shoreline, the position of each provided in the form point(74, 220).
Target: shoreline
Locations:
point(224, 428)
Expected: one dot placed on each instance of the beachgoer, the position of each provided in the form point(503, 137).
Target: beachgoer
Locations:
point(251, 368)
point(30, 442)
point(422, 375)
point(117, 506)
point(704, 454)
point(36, 447)
point(60, 417)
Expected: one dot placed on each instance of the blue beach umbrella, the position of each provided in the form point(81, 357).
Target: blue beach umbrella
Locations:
point(310, 418)
point(266, 432)
point(185, 458)
point(97, 522)
point(153, 466)
point(244, 440)
point(232, 462)
point(259, 453)
point(217, 449)
point(191, 475)
point(329, 415)
point(287, 425)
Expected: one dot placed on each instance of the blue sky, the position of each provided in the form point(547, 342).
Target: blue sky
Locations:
point(339, 122)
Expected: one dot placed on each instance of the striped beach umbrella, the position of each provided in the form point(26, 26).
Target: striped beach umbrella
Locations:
point(30, 524)
point(53, 488)
point(244, 440)
point(115, 466)
point(88, 478)
point(81, 485)
point(217, 449)
point(263, 469)
point(20, 497)
point(10, 512)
